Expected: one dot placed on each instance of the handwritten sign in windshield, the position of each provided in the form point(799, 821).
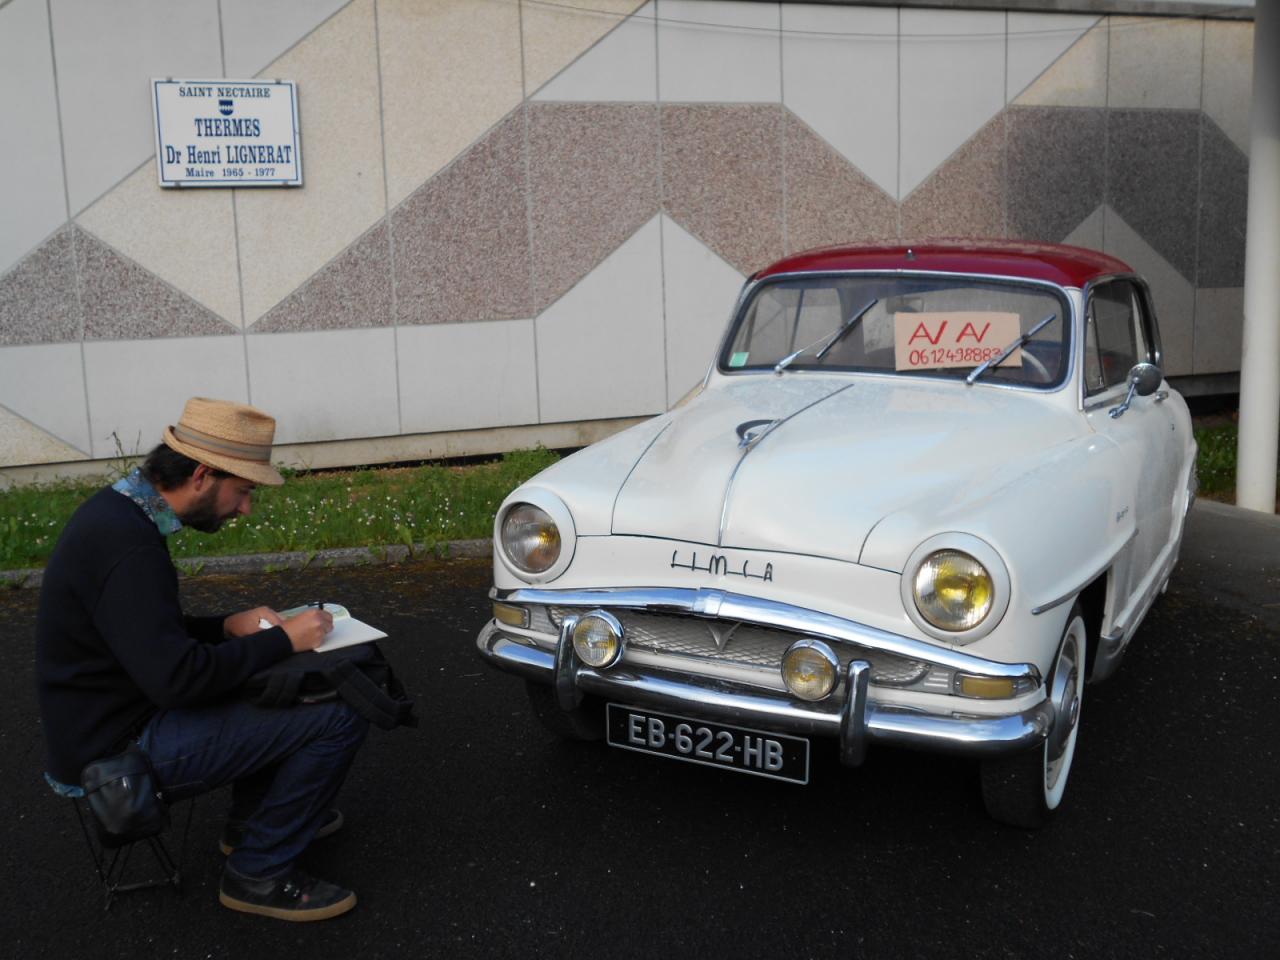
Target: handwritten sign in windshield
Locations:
point(961, 338)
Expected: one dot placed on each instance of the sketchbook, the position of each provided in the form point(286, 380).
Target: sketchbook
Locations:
point(347, 630)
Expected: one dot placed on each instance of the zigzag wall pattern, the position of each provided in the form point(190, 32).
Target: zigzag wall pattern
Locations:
point(555, 188)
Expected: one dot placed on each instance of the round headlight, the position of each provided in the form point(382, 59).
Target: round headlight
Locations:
point(597, 639)
point(810, 669)
point(952, 590)
point(530, 538)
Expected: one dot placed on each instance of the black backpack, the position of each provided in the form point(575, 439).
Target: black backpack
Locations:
point(359, 674)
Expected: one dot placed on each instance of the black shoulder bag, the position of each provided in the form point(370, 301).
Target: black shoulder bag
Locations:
point(125, 798)
point(359, 674)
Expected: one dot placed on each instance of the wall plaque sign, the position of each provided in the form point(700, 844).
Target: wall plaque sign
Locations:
point(227, 133)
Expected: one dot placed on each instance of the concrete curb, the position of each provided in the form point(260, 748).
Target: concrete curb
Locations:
point(298, 560)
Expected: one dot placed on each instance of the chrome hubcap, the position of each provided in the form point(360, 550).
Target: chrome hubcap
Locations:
point(1065, 696)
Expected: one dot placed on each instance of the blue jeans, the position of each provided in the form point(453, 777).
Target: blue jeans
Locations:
point(285, 764)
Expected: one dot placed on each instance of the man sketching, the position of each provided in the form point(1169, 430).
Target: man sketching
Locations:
point(119, 662)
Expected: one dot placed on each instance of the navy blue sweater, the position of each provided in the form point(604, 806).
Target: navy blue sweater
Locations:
point(112, 643)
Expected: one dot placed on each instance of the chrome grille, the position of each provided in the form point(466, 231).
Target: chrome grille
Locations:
point(743, 643)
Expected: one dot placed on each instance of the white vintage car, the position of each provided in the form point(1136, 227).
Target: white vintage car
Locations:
point(922, 495)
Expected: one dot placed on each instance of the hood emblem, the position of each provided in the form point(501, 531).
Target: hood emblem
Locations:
point(719, 635)
point(753, 431)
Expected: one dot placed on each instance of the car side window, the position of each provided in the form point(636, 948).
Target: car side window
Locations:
point(1114, 338)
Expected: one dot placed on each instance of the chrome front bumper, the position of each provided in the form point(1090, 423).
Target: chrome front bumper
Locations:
point(854, 720)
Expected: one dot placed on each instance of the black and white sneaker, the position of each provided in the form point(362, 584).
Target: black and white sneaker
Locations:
point(296, 896)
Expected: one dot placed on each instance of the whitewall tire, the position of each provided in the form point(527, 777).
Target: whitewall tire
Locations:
point(1026, 789)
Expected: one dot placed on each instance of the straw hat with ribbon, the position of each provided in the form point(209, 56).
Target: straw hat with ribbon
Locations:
point(226, 436)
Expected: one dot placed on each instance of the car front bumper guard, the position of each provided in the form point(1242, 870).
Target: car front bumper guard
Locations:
point(854, 721)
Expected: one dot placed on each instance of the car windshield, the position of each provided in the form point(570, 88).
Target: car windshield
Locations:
point(915, 326)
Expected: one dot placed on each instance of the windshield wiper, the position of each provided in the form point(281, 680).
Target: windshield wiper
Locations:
point(828, 341)
point(1004, 355)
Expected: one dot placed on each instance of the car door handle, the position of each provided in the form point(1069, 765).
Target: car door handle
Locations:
point(1161, 396)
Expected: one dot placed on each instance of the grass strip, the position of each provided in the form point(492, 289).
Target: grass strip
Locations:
point(1216, 460)
point(312, 511)
point(380, 507)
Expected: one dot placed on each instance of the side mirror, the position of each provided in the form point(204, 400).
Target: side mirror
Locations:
point(1144, 380)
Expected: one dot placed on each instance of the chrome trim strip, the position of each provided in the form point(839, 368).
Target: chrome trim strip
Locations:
point(772, 428)
point(964, 735)
point(1046, 607)
point(705, 602)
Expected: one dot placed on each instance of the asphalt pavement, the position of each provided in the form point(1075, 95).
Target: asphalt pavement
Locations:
point(479, 835)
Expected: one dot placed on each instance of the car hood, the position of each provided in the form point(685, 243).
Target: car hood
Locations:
point(838, 454)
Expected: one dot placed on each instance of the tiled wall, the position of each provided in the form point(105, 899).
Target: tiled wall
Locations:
point(523, 212)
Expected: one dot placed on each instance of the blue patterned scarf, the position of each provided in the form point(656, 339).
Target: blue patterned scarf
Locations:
point(139, 489)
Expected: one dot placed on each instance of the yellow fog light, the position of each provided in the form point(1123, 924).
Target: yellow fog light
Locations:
point(810, 669)
point(512, 616)
point(597, 639)
point(986, 688)
point(953, 591)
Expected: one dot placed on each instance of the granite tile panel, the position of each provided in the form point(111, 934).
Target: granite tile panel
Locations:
point(122, 301)
point(1172, 292)
point(462, 240)
point(326, 385)
point(722, 178)
point(621, 66)
point(31, 184)
point(1038, 41)
point(185, 237)
point(699, 290)
point(1056, 169)
point(593, 181)
point(828, 199)
point(106, 55)
point(353, 290)
point(1152, 174)
point(1155, 62)
point(450, 71)
point(44, 384)
point(286, 235)
point(1228, 77)
point(1088, 232)
point(173, 370)
point(726, 51)
point(467, 376)
point(38, 301)
point(952, 82)
point(966, 196)
point(829, 51)
point(1224, 207)
point(555, 34)
point(1078, 78)
point(255, 33)
point(1219, 333)
point(610, 324)
point(22, 443)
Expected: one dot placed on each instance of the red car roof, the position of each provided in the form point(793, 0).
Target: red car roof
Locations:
point(1053, 262)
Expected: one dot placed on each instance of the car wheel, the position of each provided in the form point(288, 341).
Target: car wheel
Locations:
point(1026, 789)
point(583, 722)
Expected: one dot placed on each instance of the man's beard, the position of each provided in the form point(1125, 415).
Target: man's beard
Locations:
point(203, 515)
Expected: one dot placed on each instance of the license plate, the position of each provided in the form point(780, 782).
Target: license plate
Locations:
point(773, 755)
